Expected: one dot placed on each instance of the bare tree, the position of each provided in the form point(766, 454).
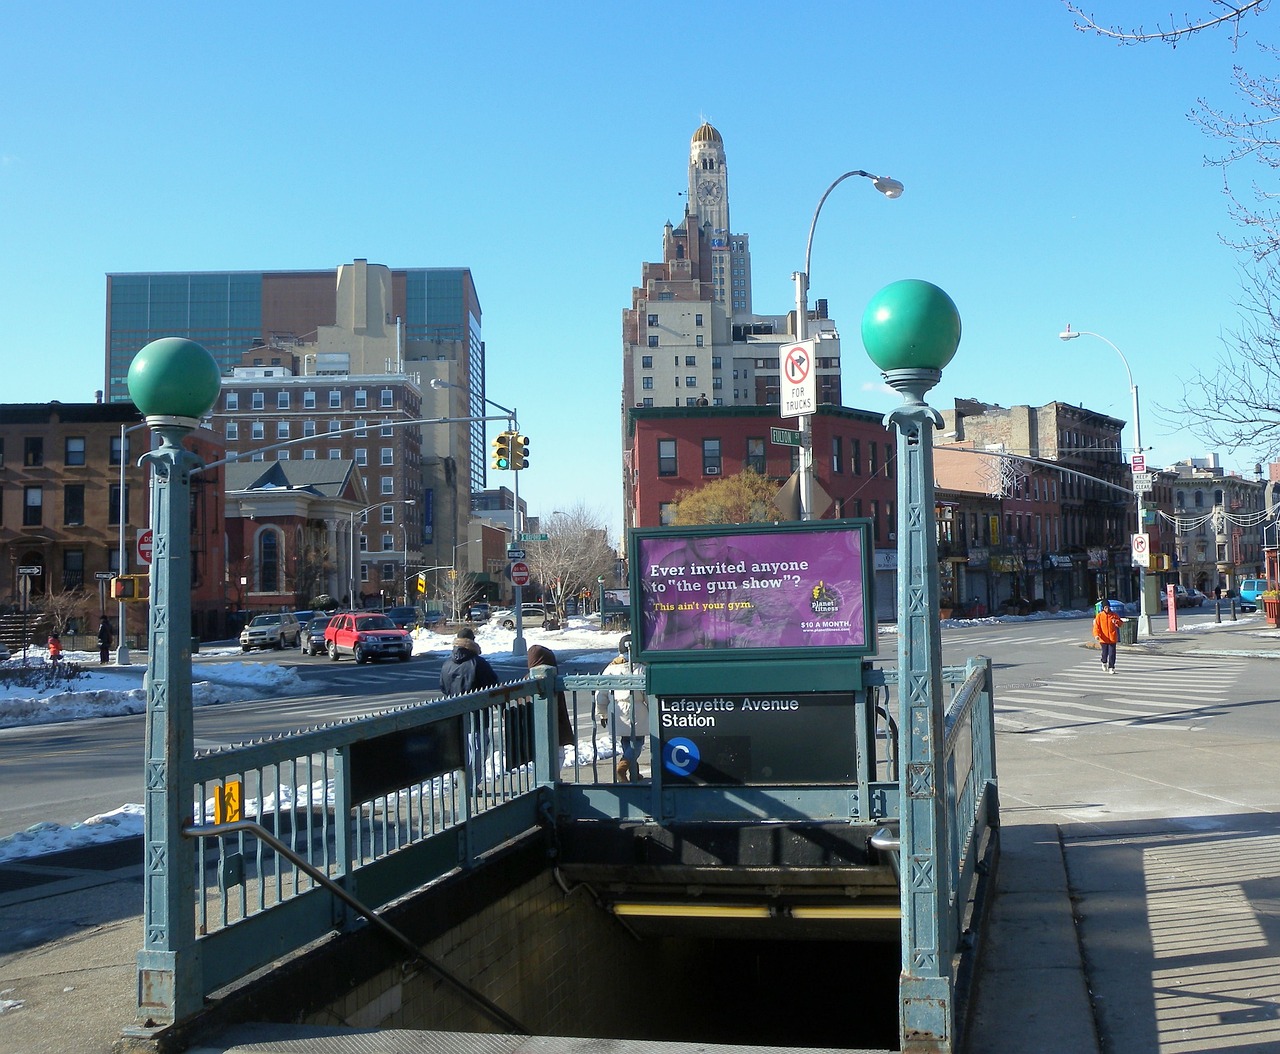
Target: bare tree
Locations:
point(457, 592)
point(576, 553)
point(1221, 13)
point(69, 606)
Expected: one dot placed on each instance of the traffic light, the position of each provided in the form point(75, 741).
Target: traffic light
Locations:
point(422, 581)
point(502, 450)
point(122, 588)
point(519, 451)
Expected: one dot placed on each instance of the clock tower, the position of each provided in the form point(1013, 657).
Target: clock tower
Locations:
point(708, 180)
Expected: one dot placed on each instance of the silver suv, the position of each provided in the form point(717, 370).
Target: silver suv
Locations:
point(530, 615)
point(280, 630)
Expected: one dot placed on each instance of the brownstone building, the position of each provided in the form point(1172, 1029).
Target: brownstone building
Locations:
point(61, 466)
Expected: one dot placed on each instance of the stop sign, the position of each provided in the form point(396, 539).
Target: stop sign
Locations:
point(519, 573)
point(144, 546)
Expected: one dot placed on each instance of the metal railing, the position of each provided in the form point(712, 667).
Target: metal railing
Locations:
point(396, 800)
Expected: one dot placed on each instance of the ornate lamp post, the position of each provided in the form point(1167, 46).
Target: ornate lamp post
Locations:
point(174, 382)
point(911, 330)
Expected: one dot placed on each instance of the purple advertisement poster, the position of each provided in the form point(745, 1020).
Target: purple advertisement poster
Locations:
point(781, 589)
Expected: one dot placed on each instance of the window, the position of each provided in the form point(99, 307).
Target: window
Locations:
point(646, 383)
point(308, 400)
point(388, 572)
point(388, 485)
point(233, 430)
point(259, 401)
point(308, 455)
point(113, 504)
point(73, 454)
point(697, 320)
point(872, 466)
point(269, 562)
point(73, 505)
point(259, 430)
point(653, 320)
point(32, 506)
point(666, 457)
point(335, 400)
point(364, 572)
point(282, 429)
point(715, 363)
point(308, 428)
point(837, 449)
point(717, 383)
point(362, 456)
point(362, 428)
point(888, 460)
point(875, 519)
point(388, 514)
point(653, 340)
point(667, 513)
point(362, 398)
point(388, 543)
point(386, 399)
point(282, 455)
point(232, 401)
point(335, 426)
point(646, 362)
point(387, 430)
point(698, 340)
point(282, 400)
point(756, 455)
point(647, 401)
point(388, 455)
point(711, 457)
point(691, 382)
point(72, 568)
point(363, 543)
point(334, 454)
point(257, 455)
point(691, 360)
point(32, 451)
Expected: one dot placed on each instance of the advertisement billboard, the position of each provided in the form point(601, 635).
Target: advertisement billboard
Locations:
point(760, 588)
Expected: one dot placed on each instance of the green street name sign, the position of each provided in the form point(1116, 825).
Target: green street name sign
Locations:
point(785, 437)
point(533, 537)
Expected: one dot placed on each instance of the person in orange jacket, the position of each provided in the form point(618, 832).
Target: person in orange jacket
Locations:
point(1106, 631)
point(55, 648)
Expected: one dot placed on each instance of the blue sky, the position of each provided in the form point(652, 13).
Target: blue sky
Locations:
point(1051, 177)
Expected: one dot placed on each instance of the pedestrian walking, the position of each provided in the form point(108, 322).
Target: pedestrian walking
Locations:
point(104, 640)
point(625, 715)
point(55, 648)
point(544, 658)
point(1106, 631)
point(465, 671)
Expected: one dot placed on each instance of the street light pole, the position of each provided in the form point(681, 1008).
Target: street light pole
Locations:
point(518, 645)
point(1144, 611)
point(890, 188)
point(351, 541)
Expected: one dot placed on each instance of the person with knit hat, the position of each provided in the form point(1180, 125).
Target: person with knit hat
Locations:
point(541, 658)
point(625, 714)
point(465, 671)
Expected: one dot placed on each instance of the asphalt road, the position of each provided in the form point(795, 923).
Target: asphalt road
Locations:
point(1046, 681)
point(65, 773)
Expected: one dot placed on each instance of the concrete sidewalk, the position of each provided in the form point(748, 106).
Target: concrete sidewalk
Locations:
point(1138, 903)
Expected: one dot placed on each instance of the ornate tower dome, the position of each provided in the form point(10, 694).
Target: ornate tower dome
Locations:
point(706, 134)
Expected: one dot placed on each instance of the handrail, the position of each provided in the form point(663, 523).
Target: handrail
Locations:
point(237, 826)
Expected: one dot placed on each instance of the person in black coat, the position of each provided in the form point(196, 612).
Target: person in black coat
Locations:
point(465, 671)
point(104, 641)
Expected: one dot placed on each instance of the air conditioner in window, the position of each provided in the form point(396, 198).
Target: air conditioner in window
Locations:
point(711, 470)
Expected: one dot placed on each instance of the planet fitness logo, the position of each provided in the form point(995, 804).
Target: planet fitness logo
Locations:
point(824, 600)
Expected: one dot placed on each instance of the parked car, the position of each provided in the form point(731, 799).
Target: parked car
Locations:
point(278, 630)
point(312, 641)
point(534, 615)
point(1250, 590)
point(365, 636)
point(1194, 598)
point(404, 617)
point(478, 613)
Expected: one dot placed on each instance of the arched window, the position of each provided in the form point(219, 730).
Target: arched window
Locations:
point(269, 561)
point(1199, 499)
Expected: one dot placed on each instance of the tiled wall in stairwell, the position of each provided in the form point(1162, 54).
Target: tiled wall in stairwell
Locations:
point(556, 962)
